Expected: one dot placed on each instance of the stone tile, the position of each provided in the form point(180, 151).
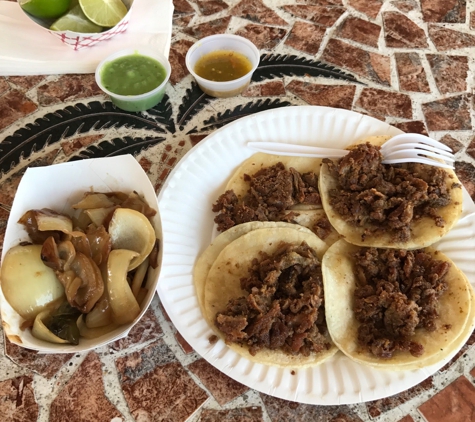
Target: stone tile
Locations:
point(223, 388)
point(372, 66)
point(14, 105)
point(4, 87)
point(472, 372)
point(401, 32)
point(146, 166)
point(405, 5)
point(385, 103)
point(217, 26)
point(407, 418)
point(156, 387)
point(466, 174)
point(378, 407)
point(44, 364)
point(359, 30)
point(146, 329)
point(182, 6)
point(411, 74)
point(194, 140)
point(368, 7)
point(415, 126)
point(455, 402)
point(471, 148)
point(82, 399)
point(240, 414)
point(449, 39)
point(305, 37)
point(17, 403)
point(74, 144)
point(264, 37)
point(472, 20)
point(274, 88)
point(68, 88)
point(321, 15)
point(448, 114)
point(448, 11)
point(282, 410)
point(183, 343)
point(450, 72)
point(256, 11)
point(26, 82)
point(210, 7)
point(176, 58)
point(181, 21)
point(453, 143)
point(338, 96)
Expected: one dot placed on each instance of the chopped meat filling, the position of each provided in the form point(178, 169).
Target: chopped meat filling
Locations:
point(272, 190)
point(397, 291)
point(388, 197)
point(284, 307)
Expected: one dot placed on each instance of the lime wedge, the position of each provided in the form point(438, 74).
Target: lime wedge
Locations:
point(106, 13)
point(75, 20)
point(45, 9)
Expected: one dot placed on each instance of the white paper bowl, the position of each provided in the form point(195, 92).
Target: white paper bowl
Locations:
point(222, 42)
point(58, 187)
point(78, 40)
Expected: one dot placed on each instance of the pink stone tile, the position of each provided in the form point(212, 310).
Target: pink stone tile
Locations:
point(283, 410)
point(156, 386)
point(76, 143)
point(472, 20)
point(453, 143)
point(45, 365)
point(25, 83)
point(450, 72)
point(182, 6)
point(68, 88)
point(274, 88)
point(176, 58)
point(264, 37)
point(210, 7)
point(378, 407)
point(415, 126)
point(372, 66)
point(448, 114)
point(466, 174)
point(4, 87)
point(385, 103)
point(305, 37)
point(240, 414)
point(368, 7)
point(471, 148)
point(14, 105)
point(194, 140)
point(182, 22)
point(17, 400)
point(450, 11)
point(412, 76)
point(401, 32)
point(217, 26)
point(405, 5)
point(454, 403)
point(145, 164)
point(82, 399)
point(145, 330)
point(359, 30)
point(407, 418)
point(256, 11)
point(472, 372)
point(321, 15)
point(183, 343)
point(449, 39)
point(338, 96)
point(223, 388)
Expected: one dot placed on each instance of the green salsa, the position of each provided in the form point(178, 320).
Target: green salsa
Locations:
point(132, 75)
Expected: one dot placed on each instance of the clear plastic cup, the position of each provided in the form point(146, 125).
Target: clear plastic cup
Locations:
point(140, 102)
point(222, 42)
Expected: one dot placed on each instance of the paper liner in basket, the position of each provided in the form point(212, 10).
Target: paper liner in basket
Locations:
point(77, 40)
point(58, 187)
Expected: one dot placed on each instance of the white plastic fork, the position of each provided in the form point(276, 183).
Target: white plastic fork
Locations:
point(403, 148)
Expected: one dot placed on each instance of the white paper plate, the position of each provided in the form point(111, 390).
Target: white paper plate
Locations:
point(187, 222)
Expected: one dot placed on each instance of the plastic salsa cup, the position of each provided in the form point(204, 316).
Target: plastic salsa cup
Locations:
point(125, 75)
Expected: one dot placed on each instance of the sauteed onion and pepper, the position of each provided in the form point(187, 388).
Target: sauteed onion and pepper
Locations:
point(85, 275)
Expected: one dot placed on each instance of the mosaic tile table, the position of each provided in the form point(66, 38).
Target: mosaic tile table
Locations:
point(409, 63)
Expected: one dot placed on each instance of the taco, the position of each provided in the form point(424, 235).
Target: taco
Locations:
point(405, 206)
point(266, 188)
point(393, 308)
point(264, 297)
